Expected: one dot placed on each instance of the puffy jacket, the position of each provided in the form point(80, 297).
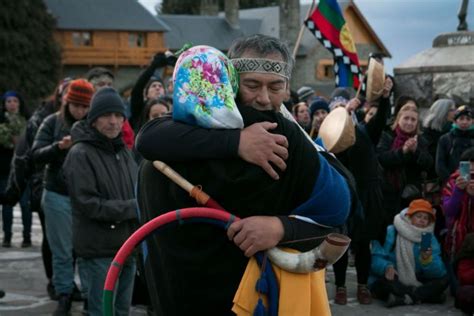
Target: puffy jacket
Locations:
point(46, 151)
point(449, 151)
point(383, 257)
point(101, 175)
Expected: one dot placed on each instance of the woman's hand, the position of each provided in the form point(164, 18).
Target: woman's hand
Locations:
point(461, 182)
point(65, 143)
point(425, 255)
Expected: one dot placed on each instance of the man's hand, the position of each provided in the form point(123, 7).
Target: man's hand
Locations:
point(390, 273)
point(260, 147)
point(256, 233)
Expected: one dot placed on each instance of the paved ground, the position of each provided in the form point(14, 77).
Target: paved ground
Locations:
point(22, 277)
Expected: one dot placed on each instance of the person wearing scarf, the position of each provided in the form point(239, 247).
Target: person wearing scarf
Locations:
point(453, 144)
point(403, 273)
point(403, 155)
point(204, 96)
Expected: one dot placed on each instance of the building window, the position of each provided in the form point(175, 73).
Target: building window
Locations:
point(325, 69)
point(82, 39)
point(136, 39)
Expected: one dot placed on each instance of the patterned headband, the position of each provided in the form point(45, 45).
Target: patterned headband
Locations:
point(262, 65)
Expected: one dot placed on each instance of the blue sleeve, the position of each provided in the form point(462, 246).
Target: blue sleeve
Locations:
point(330, 200)
point(382, 257)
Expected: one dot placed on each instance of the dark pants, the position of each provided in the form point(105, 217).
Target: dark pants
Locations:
point(362, 260)
point(430, 292)
point(45, 250)
point(7, 213)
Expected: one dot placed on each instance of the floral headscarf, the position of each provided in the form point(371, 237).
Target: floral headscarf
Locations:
point(205, 86)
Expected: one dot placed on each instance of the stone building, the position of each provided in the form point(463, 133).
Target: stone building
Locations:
point(446, 69)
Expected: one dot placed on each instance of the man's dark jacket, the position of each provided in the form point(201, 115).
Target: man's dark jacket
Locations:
point(190, 266)
point(101, 175)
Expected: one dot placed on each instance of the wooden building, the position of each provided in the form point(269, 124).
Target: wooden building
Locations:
point(119, 34)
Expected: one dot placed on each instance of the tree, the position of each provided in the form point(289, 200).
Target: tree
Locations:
point(30, 59)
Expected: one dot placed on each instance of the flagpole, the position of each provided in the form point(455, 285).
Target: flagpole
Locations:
point(300, 34)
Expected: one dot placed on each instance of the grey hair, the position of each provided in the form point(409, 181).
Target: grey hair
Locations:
point(438, 114)
point(263, 45)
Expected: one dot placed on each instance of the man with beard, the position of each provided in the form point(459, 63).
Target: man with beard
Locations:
point(195, 269)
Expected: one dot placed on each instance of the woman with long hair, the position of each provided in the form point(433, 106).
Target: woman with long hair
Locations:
point(403, 155)
point(51, 145)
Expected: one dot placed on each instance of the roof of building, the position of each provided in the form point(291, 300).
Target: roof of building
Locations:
point(214, 31)
point(271, 24)
point(108, 15)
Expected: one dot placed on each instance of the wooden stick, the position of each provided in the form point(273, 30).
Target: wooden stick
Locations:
point(300, 34)
point(173, 175)
point(360, 86)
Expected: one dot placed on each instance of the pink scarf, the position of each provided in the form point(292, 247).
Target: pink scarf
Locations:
point(400, 138)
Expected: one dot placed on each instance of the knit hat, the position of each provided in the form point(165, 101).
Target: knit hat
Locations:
point(304, 93)
point(421, 205)
point(80, 91)
point(463, 110)
point(106, 100)
point(318, 104)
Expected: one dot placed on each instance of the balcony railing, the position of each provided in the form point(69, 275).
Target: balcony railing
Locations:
point(90, 56)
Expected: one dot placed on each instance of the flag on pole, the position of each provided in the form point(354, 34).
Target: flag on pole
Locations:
point(328, 25)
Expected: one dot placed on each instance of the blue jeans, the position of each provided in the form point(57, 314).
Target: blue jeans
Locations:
point(58, 218)
point(7, 212)
point(95, 269)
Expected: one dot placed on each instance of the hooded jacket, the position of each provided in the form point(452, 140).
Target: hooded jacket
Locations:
point(101, 175)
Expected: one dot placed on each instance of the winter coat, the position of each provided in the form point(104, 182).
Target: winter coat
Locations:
point(384, 256)
point(101, 175)
point(404, 168)
point(46, 151)
point(23, 169)
point(450, 148)
point(458, 207)
point(432, 137)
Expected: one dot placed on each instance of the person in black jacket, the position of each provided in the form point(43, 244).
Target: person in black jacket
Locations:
point(25, 173)
point(361, 160)
point(148, 86)
point(13, 118)
point(101, 175)
point(52, 142)
point(403, 155)
point(453, 144)
point(199, 265)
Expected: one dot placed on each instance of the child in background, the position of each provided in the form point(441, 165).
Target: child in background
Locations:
point(405, 273)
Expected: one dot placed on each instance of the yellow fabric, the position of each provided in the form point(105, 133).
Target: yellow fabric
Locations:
point(300, 294)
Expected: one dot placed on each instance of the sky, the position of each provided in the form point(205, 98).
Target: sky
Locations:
point(406, 27)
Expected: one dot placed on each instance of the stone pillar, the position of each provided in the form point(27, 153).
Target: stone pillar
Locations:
point(232, 13)
point(289, 21)
point(209, 7)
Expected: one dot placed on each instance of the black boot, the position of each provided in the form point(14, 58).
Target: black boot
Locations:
point(51, 291)
point(64, 305)
point(26, 242)
point(7, 241)
point(393, 300)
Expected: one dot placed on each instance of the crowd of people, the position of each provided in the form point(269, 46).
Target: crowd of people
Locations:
point(403, 191)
